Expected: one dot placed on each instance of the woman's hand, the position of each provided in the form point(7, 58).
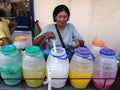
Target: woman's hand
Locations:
point(77, 43)
point(49, 35)
point(5, 40)
point(46, 35)
point(12, 26)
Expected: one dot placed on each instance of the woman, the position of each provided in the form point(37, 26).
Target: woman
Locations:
point(7, 27)
point(67, 31)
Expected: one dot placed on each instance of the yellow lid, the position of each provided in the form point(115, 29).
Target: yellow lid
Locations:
point(98, 42)
point(20, 38)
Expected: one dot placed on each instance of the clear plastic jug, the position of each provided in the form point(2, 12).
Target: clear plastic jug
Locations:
point(81, 67)
point(105, 66)
point(33, 66)
point(11, 64)
point(58, 62)
point(97, 44)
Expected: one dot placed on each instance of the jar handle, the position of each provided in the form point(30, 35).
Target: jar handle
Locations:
point(60, 57)
point(91, 57)
point(47, 51)
point(40, 56)
point(116, 57)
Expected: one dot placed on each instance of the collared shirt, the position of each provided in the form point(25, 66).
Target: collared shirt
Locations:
point(68, 34)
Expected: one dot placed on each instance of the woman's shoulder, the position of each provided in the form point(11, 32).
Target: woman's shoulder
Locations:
point(70, 25)
point(53, 25)
point(5, 20)
point(49, 26)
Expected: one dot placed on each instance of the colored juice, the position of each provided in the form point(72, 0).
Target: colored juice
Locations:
point(12, 72)
point(36, 75)
point(79, 83)
point(101, 83)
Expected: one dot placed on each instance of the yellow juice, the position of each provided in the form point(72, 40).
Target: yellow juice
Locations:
point(37, 77)
point(79, 83)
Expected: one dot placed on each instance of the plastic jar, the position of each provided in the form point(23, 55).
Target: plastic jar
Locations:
point(21, 42)
point(81, 67)
point(33, 66)
point(97, 44)
point(59, 64)
point(105, 67)
point(11, 64)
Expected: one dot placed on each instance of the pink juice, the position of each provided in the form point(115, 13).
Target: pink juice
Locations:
point(101, 83)
point(105, 69)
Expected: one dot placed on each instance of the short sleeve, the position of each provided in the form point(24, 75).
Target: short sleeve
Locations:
point(75, 33)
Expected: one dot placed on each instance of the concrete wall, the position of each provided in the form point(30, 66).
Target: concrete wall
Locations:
point(92, 18)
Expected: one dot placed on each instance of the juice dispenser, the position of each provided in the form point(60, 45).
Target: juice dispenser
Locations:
point(33, 66)
point(58, 62)
point(105, 67)
point(11, 64)
point(81, 68)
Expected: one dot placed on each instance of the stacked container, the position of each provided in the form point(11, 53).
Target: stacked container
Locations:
point(10, 63)
point(58, 62)
point(33, 66)
point(81, 68)
point(105, 68)
point(97, 44)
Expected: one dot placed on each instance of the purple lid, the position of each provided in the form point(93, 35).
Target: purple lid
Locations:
point(107, 51)
point(83, 51)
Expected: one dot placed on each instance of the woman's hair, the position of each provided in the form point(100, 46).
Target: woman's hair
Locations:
point(60, 8)
point(2, 13)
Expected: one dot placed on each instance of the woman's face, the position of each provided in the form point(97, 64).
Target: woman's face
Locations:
point(61, 18)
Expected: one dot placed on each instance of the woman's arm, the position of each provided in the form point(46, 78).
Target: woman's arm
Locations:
point(39, 39)
point(47, 35)
point(13, 26)
point(78, 39)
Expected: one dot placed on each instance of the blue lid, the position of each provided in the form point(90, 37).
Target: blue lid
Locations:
point(8, 49)
point(83, 51)
point(32, 50)
point(107, 51)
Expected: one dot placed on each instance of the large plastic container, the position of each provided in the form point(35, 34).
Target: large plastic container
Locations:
point(11, 64)
point(105, 67)
point(33, 66)
point(58, 62)
point(81, 68)
point(97, 44)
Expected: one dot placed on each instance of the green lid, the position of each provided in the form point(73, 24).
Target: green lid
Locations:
point(8, 49)
point(32, 50)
